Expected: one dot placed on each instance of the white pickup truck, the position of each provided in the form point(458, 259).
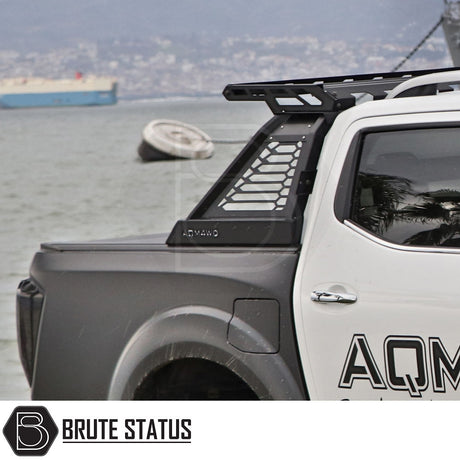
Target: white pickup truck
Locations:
point(322, 264)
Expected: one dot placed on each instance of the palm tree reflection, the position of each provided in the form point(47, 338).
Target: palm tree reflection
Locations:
point(384, 201)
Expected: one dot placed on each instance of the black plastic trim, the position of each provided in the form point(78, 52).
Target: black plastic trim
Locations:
point(343, 195)
point(29, 305)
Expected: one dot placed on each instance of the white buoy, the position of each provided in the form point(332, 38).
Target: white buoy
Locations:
point(173, 140)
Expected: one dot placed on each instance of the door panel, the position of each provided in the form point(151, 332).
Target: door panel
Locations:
point(400, 339)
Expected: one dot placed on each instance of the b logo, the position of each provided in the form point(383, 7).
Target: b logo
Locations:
point(30, 430)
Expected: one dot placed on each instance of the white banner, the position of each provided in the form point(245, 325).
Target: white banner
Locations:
point(229, 430)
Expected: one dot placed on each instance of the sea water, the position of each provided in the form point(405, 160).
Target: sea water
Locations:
point(70, 174)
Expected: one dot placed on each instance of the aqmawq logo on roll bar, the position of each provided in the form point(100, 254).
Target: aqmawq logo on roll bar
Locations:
point(407, 365)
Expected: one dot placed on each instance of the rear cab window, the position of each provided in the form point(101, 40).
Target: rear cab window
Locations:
point(407, 186)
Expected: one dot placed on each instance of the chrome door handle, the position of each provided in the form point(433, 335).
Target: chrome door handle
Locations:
point(329, 297)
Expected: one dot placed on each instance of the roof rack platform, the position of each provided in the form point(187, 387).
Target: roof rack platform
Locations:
point(328, 94)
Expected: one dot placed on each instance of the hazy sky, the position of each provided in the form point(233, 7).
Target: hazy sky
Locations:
point(28, 23)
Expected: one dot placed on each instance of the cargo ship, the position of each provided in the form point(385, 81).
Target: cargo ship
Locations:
point(42, 92)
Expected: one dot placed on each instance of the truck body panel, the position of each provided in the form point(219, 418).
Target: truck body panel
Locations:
point(177, 304)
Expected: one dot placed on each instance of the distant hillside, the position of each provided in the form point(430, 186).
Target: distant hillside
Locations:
point(41, 24)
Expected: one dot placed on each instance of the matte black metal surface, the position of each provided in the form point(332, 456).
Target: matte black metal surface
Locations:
point(259, 200)
point(333, 93)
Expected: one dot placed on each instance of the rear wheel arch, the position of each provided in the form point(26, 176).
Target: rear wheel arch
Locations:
point(197, 333)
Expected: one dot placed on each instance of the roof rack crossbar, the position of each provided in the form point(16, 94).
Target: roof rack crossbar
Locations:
point(321, 95)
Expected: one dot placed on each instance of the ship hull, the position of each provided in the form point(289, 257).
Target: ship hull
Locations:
point(58, 99)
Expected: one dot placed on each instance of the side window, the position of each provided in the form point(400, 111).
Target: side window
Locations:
point(407, 188)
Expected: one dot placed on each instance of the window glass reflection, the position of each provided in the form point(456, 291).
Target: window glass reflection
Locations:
point(407, 190)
